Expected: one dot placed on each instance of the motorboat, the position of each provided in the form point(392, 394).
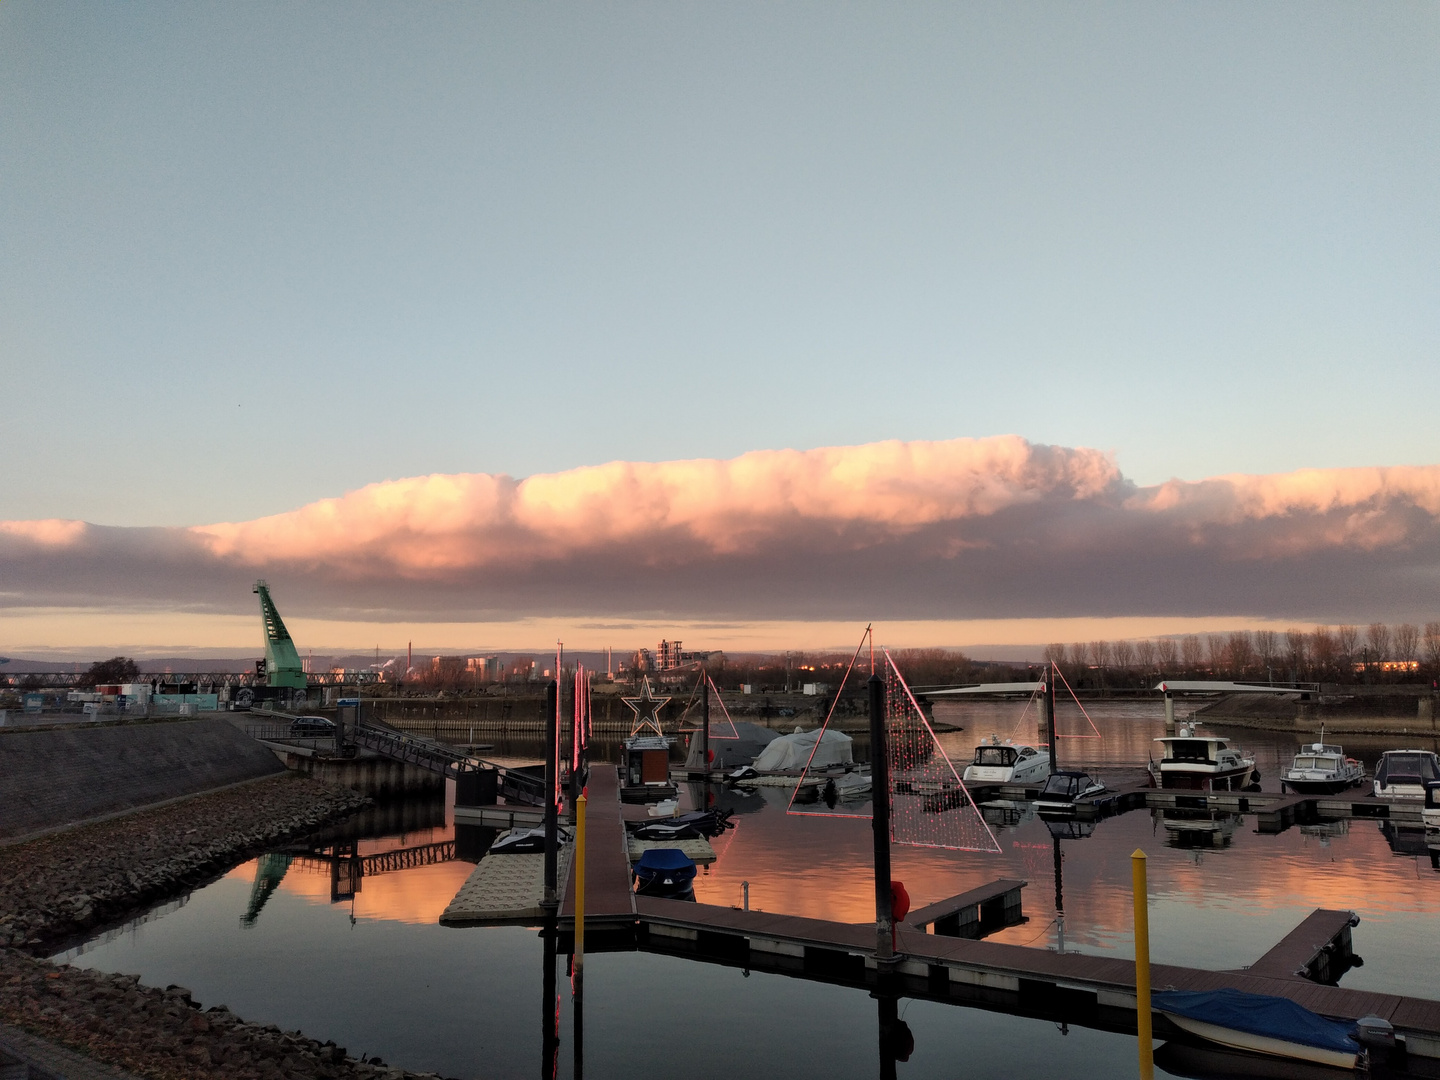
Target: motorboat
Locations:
point(665, 872)
point(847, 785)
point(1404, 774)
point(527, 841)
point(1261, 1024)
point(1322, 769)
point(997, 762)
point(1194, 762)
point(1064, 789)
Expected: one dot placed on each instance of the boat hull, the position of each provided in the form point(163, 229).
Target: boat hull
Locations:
point(1184, 778)
point(1332, 786)
point(1261, 1044)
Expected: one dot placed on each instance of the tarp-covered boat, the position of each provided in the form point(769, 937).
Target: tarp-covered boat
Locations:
point(664, 872)
point(794, 750)
point(1261, 1024)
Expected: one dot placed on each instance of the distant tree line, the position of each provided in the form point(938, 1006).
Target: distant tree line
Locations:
point(1378, 653)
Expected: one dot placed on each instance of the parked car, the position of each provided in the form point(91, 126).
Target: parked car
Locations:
point(312, 727)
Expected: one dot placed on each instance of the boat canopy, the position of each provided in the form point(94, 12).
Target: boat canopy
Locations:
point(793, 751)
point(1001, 756)
point(1258, 1014)
point(1065, 784)
point(1406, 767)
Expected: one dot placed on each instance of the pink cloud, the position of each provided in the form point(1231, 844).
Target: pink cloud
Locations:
point(965, 528)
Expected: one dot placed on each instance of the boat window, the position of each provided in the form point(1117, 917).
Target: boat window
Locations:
point(995, 755)
point(1027, 751)
point(1306, 762)
point(1188, 750)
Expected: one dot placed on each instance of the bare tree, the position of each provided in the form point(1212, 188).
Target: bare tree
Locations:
point(1165, 653)
point(1407, 642)
point(1324, 650)
point(1241, 652)
point(1267, 648)
point(1191, 652)
point(1055, 654)
point(1432, 645)
point(1078, 654)
point(1215, 653)
point(1297, 650)
point(1100, 654)
point(1347, 639)
point(1124, 653)
point(1145, 654)
point(1377, 637)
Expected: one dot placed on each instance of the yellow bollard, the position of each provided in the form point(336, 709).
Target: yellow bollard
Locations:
point(1142, 965)
point(579, 884)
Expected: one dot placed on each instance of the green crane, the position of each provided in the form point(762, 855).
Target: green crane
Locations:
point(282, 662)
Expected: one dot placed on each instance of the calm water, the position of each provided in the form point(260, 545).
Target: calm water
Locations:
point(377, 974)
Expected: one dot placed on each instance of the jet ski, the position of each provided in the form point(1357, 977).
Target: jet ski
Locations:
point(687, 826)
point(527, 841)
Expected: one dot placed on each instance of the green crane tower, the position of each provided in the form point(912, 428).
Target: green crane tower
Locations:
point(282, 662)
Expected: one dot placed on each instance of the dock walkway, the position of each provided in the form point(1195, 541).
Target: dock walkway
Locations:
point(1096, 991)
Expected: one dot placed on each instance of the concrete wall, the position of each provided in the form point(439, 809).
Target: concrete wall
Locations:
point(376, 776)
point(60, 776)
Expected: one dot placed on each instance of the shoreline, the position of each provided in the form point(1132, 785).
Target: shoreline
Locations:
point(66, 886)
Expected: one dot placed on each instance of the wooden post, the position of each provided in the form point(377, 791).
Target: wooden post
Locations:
point(880, 822)
point(1050, 716)
point(551, 898)
point(1142, 964)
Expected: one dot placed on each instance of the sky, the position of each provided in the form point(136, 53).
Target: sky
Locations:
point(991, 323)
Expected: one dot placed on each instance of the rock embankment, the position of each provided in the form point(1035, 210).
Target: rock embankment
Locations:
point(56, 888)
point(62, 886)
point(162, 1034)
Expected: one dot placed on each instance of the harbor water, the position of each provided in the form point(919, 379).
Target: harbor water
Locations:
point(282, 940)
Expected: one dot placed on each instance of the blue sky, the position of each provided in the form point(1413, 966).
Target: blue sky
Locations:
point(255, 255)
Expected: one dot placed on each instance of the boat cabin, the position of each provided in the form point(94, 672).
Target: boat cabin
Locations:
point(1319, 756)
point(1002, 757)
point(1408, 769)
point(1192, 749)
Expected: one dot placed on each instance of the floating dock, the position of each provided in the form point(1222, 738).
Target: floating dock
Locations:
point(504, 890)
point(951, 966)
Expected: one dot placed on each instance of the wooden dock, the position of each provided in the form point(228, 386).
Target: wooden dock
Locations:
point(1094, 991)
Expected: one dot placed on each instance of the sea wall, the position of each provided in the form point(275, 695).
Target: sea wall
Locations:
point(59, 776)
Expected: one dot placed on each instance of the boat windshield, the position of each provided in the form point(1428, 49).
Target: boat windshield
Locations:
point(995, 755)
point(1310, 761)
point(1188, 750)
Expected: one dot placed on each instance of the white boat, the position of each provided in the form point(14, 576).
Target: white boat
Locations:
point(1064, 789)
point(1431, 813)
point(1203, 763)
point(1403, 774)
point(1006, 762)
point(848, 785)
point(1322, 769)
point(1261, 1024)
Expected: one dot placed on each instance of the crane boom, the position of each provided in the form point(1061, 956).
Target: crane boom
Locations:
point(282, 662)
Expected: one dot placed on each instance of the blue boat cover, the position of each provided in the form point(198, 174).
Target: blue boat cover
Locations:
point(664, 859)
point(1257, 1014)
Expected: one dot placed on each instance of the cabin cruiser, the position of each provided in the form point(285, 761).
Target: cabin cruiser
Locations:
point(1064, 789)
point(1203, 763)
point(1005, 762)
point(1322, 769)
point(1403, 774)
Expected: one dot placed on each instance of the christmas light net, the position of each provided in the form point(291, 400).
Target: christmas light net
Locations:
point(690, 718)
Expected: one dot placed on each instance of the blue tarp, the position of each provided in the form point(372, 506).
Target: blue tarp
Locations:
point(1257, 1014)
point(661, 859)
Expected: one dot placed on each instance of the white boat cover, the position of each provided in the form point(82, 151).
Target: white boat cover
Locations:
point(792, 751)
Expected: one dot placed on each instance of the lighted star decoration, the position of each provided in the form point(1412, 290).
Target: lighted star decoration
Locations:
point(646, 708)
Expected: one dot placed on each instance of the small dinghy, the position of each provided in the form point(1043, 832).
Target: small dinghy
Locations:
point(1261, 1025)
point(665, 872)
point(527, 841)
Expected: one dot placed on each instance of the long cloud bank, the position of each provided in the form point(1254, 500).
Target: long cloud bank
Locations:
point(966, 528)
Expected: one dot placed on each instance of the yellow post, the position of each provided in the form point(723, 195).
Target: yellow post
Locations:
point(579, 884)
point(1142, 965)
